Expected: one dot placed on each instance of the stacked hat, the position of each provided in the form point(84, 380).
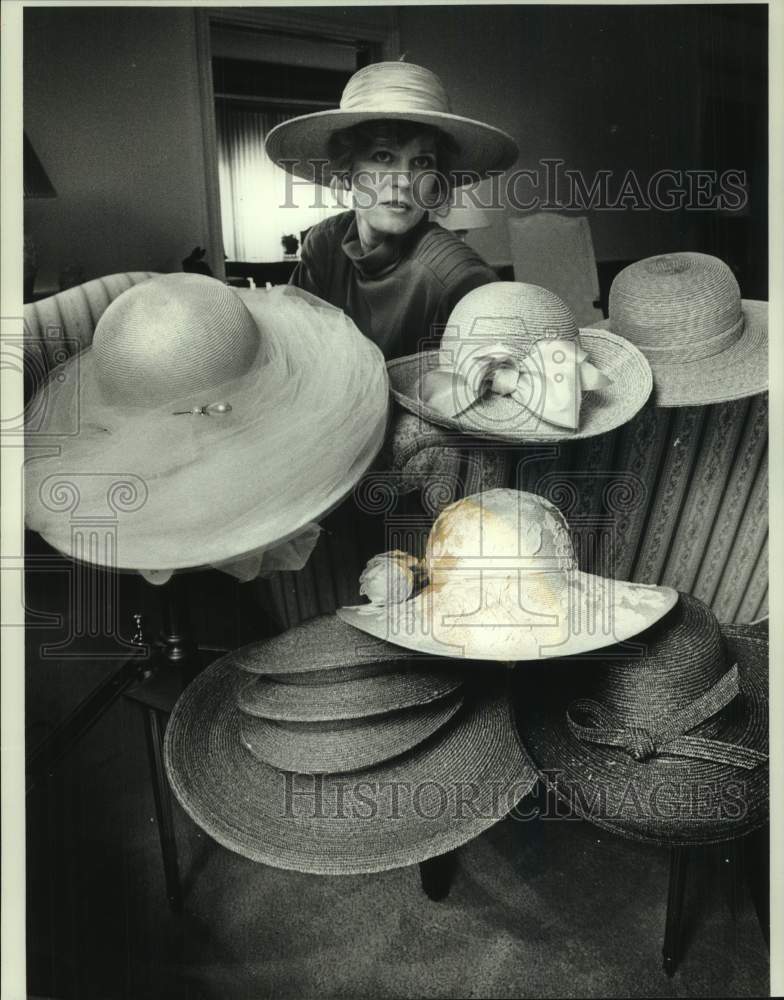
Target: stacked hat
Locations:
point(684, 311)
point(669, 746)
point(326, 751)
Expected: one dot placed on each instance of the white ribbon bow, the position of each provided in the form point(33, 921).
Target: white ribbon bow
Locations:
point(548, 381)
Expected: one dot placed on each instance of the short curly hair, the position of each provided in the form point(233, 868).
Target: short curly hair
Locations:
point(346, 145)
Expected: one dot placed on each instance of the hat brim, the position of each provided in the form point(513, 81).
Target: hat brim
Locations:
point(300, 145)
point(320, 644)
point(501, 418)
point(353, 698)
point(671, 801)
point(192, 491)
point(399, 813)
point(341, 746)
point(582, 622)
point(735, 373)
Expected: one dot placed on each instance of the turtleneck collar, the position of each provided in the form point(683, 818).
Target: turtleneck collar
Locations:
point(382, 258)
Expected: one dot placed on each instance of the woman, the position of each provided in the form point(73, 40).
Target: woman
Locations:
point(395, 145)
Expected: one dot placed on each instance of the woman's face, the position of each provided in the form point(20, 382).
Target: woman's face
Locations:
point(392, 184)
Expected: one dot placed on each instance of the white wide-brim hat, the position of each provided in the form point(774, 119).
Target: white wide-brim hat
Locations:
point(203, 424)
point(684, 311)
point(502, 583)
point(513, 366)
point(390, 91)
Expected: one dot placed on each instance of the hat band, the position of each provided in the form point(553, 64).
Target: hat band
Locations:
point(691, 350)
point(669, 735)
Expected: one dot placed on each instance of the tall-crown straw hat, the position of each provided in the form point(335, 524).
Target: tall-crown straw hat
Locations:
point(211, 424)
point(499, 581)
point(390, 91)
point(513, 366)
point(670, 747)
point(684, 311)
point(435, 786)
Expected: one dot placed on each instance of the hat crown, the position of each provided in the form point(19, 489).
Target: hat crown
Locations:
point(500, 529)
point(171, 337)
point(395, 87)
point(678, 306)
point(684, 658)
point(512, 313)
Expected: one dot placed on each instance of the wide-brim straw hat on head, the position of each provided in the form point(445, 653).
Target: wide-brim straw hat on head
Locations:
point(501, 582)
point(513, 366)
point(705, 344)
point(668, 748)
point(390, 91)
point(418, 804)
point(323, 669)
point(206, 422)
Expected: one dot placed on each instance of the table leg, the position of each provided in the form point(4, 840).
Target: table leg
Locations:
point(436, 875)
point(732, 866)
point(672, 929)
point(163, 807)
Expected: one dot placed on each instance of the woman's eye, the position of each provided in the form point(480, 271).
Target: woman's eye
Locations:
point(382, 156)
point(423, 162)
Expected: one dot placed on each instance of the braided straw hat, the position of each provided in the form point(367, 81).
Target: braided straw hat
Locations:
point(324, 670)
point(189, 389)
point(669, 748)
point(509, 352)
point(390, 91)
point(451, 769)
point(684, 311)
point(342, 745)
point(502, 583)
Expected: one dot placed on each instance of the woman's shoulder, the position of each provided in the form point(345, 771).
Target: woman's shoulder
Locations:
point(447, 257)
point(329, 230)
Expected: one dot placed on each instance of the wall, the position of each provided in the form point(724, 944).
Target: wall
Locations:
point(611, 88)
point(111, 107)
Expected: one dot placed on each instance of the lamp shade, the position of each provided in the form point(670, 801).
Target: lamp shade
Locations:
point(36, 182)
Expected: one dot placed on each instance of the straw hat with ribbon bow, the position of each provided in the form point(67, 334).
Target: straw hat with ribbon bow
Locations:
point(377, 781)
point(499, 581)
point(390, 91)
point(204, 409)
point(669, 747)
point(684, 311)
point(513, 366)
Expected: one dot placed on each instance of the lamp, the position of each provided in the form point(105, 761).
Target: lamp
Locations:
point(460, 215)
point(36, 185)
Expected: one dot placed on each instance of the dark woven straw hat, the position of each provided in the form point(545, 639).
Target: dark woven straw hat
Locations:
point(318, 645)
point(429, 800)
point(375, 692)
point(344, 744)
point(669, 748)
point(325, 670)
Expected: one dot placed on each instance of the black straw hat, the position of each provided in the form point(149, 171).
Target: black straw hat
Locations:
point(451, 768)
point(669, 747)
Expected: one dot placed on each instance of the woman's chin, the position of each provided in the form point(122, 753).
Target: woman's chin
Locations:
point(395, 221)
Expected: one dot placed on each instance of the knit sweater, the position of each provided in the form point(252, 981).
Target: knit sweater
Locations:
point(400, 294)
